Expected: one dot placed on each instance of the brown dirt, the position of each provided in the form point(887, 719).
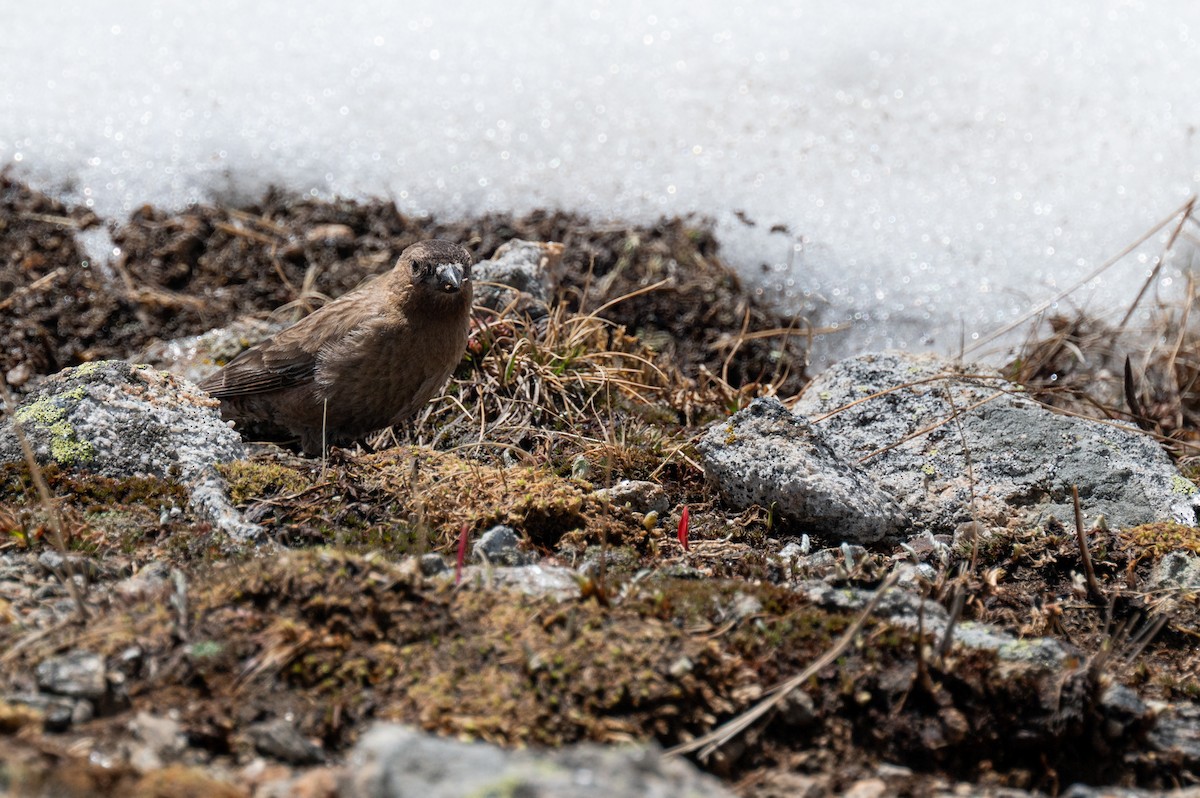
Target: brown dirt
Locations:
point(55, 305)
point(336, 640)
point(185, 273)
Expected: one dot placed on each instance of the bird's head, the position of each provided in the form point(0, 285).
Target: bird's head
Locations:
point(442, 268)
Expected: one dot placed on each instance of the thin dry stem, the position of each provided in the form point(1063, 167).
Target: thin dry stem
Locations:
point(1089, 572)
point(58, 535)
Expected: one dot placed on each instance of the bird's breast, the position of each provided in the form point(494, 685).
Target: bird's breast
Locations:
point(384, 373)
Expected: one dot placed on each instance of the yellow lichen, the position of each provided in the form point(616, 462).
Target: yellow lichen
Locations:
point(48, 414)
point(1182, 485)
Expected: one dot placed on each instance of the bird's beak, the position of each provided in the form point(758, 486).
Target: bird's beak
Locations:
point(449, 276)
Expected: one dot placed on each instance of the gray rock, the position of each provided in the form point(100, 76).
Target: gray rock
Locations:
point(156, 739)
point(500, 545)
point(1176, 570)
point(1023, 458)
point(767, 456)
point(797, 710)
point(794, 549)
point(164, 737)
point(915, 577)
point(58, 565)
point(195, 357)
point(79, 674)
point(1176, 735)
point(209, 497)
point(908, 610)
point(532, 580)
point(1043, 652)
point(852, 555)
point(639, 495)
point(57, 711)
point(432, 564)
point(82, 712)
point(281, 740)
point(121, 420)
point(614, 560)
point(151, 581)
point(867, 788)
point(520, 273)
point(395, 761)
point(742, 606)
point(1088, 791)
point(1123, 711)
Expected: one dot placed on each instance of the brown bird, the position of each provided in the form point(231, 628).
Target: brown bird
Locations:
point(367, 360)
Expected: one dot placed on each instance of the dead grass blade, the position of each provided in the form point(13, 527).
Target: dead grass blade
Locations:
point(1186, 214)
point(1037, 310)
point(57, 527)
point(1093, 586)
point(931, 427)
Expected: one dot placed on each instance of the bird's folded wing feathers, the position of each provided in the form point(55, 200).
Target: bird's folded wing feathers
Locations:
point(287, 360)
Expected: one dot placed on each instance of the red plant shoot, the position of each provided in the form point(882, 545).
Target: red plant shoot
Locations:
point(683, 529)
point(462, 553)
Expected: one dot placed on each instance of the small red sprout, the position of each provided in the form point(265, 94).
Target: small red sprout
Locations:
point(683, 529)
point(462, 553)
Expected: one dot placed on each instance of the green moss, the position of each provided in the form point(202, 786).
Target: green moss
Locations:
point(1158, 539)
point(250, 480)
point(205, 649)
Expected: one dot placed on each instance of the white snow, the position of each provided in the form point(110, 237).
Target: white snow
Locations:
point(940, 165)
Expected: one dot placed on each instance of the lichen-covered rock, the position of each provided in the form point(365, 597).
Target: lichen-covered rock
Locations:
point(120, 420)
point(500, 545)
point(196, 356)
point(898, 410)
point(1176, 571)
point(78, 674)
point(768, 456)
point(533, 580)
point(392, 761)
point(281, 739)
point(639, 495)
point(521, 273)
point(908, 610)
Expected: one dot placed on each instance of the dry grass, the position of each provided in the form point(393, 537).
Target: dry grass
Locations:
point(524, 381)
point(565, 386)
point(1148, 375)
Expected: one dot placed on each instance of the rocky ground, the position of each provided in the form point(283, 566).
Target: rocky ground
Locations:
point(631, 524)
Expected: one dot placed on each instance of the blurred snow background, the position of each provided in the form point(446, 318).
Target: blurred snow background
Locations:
point(937, 166)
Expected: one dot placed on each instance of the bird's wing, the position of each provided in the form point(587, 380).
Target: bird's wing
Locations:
point(290, 358)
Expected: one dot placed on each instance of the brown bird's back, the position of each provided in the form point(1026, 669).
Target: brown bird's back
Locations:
point(367, 360)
